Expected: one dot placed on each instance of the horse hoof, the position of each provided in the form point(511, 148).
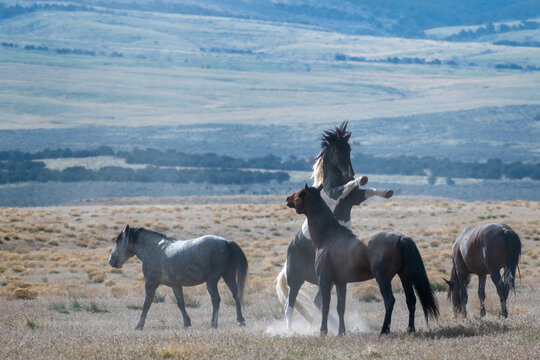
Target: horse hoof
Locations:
point(411, 330)
point(241, 323)
point(483, 312)
point(388, 194)
point(187, 325)
point(363, 180)
point(324, 333)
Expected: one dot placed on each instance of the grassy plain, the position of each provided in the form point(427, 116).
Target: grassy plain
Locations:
point(60, 299)
point(185, 69)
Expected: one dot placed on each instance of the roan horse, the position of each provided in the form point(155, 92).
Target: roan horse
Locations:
point(177, 263)
point(484, 250)
point(333, 170)
point(343, 258)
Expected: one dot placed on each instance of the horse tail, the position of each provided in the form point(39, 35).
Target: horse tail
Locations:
point(281, 285)
point(418, 276)
point(513, 252)
point(303, 303)
point(240, 264)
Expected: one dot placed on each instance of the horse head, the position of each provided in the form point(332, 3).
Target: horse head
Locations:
point(123, 248)
point(332, 166)
point(454, 293)
point(298, 200)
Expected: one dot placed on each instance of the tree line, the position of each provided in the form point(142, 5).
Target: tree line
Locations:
point(490, 28)
point(17, 166)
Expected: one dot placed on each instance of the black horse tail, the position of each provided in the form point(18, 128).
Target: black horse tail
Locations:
point(418, 276)
point(240, 264)
point(513, 252)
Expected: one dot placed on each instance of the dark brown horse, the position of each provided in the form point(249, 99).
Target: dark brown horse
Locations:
point(342, 258)
point(483, 250)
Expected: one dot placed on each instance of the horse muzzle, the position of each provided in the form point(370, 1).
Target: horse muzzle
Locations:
point(290, 201)
point(115, 263)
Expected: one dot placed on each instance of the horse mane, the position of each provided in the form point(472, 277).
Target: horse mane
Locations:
point(318, 174)
point(328, 138)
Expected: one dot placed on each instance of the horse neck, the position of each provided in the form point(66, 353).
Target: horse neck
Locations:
point(332, 178)
point(146, 242)
point(320, 221)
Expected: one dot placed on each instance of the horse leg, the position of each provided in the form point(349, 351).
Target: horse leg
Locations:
point(211, 286)
point(384, 193)
point(482, 293)
point(179, 294)
point(502, 290)
point(341, 295)
point(325, 286)
point(150, 292)
point(318, 303)
point(385, 286)
point(291, 301)
point(411, 300)
point(464, 297)
point(231, 284)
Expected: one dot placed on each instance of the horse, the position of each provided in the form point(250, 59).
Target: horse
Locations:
point(176, 263)
point(332, 168)
point(483, 250)
point(342, 258)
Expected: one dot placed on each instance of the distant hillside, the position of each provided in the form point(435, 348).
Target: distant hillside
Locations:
point(375, 17)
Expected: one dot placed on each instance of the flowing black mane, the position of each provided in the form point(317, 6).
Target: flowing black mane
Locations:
point(338, 137)
point(334, 136)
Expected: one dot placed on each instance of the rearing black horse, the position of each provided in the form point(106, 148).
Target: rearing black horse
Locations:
point(333, 170)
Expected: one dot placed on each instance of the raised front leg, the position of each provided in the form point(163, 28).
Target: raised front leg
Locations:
point(341, 296)
point(482, 293)
point(384, 193)
point(340, 192)
point(216, 299)
point(179, 294)
point(502, 290)
point(325, 286)
point(150, 292)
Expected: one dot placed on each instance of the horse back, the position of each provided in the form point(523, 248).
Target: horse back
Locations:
point(482, 248)
point(192, 262)
point(385, 253)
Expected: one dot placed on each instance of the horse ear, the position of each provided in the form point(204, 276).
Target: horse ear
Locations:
point(448, 282)
point(307, 187)
point(320, 187)
point(126, 229)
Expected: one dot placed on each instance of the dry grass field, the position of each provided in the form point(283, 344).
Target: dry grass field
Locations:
point(60, 299)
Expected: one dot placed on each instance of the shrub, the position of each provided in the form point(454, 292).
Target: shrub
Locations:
point(158, 298)
point(368, 298)
point(438, 286)
point(60, 307)
point(24, 293)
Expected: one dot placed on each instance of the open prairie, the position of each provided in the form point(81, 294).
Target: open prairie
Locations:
point(144, 68)
point(61, 299)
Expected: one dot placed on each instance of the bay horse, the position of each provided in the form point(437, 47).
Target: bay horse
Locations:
point(177, 263)
point(333, 170)
point(483, 250)
point(342, 258)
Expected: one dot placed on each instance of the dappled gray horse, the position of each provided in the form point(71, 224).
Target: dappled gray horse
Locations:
point(178, 263)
